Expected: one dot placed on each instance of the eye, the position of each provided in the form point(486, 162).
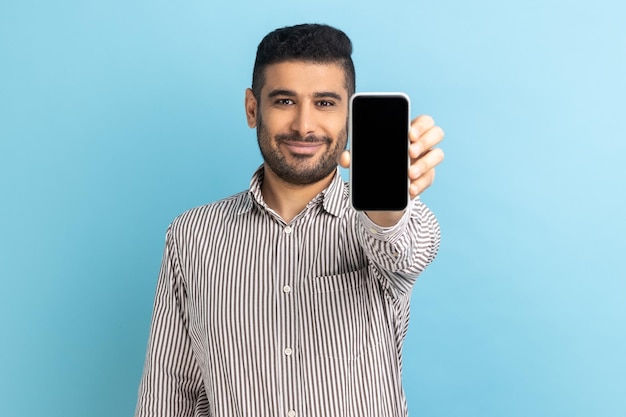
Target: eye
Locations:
point(325, 103)
point(284, 101)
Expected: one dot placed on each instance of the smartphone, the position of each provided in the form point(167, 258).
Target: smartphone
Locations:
point(378, 131)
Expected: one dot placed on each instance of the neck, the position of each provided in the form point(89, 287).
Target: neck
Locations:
point(286, 199)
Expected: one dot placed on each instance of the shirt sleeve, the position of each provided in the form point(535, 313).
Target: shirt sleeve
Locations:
point(398, 254)
point(171, 384)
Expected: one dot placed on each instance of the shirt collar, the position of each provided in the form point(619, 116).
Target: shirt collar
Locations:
point(333, 198)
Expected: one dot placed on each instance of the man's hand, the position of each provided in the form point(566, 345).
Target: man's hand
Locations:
point(424, 136)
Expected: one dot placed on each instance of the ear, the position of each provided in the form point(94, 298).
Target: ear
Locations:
point(251, 105)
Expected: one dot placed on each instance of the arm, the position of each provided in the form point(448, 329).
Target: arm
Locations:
point(171, 383)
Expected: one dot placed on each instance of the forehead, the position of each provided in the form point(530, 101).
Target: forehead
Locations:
point(305, 78)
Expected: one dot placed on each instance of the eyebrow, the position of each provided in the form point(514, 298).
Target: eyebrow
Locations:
point(329, 94)
point(290, 93)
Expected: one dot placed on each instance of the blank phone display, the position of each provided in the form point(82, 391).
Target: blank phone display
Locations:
point(379, 143)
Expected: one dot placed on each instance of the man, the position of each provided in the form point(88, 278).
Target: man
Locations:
point(284, 300)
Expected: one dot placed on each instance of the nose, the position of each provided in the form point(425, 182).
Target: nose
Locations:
point(304, 120)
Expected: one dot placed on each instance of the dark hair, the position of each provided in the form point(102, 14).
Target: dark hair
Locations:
point(307, 42)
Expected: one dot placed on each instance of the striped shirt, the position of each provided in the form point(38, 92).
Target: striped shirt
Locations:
point(255, 317)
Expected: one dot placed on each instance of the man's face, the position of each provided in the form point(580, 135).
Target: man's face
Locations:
point(301, 119)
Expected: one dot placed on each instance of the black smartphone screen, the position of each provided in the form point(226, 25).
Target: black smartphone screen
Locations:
point(379, 148)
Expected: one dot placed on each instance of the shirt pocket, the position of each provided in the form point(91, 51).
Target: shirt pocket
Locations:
point(343, 315)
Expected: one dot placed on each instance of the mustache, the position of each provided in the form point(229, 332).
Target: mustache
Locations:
point(297, 137)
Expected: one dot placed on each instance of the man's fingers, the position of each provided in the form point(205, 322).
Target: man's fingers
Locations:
point(418, 185)
point(424, 136)
point(419, 125)
point(427, 140)
point(425, 163)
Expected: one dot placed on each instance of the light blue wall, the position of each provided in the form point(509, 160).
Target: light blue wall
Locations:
point(115, 116)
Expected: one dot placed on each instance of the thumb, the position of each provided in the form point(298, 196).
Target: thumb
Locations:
point(344, 159)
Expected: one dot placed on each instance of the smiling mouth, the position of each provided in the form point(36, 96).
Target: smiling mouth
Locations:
point(302, 147)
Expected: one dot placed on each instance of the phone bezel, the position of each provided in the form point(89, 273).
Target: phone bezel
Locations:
point(350, 144)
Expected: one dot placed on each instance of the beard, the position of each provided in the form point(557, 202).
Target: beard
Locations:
point(305, 169)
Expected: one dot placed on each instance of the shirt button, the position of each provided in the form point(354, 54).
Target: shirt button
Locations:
point(292, 413)
point(288, 351)
point(288, 229)
point(286, 289)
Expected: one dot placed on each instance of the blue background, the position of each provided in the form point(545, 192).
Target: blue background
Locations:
point(115, 116)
